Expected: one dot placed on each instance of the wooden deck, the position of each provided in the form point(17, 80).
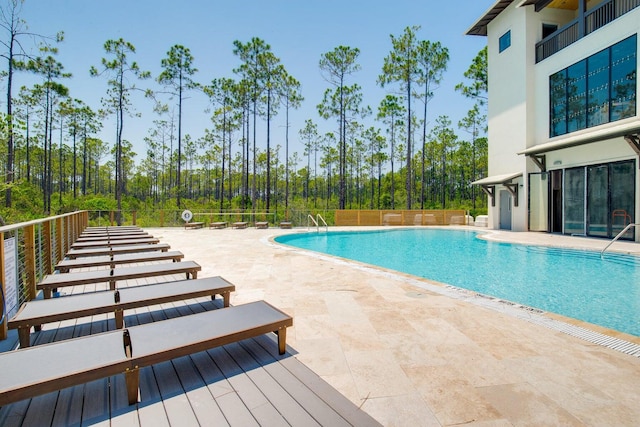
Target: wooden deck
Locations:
point(242, 384)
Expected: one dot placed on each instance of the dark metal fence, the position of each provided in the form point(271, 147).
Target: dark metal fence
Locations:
point(594, 19)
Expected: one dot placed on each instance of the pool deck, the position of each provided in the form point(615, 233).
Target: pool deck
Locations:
point(410, 356)
point(411, 352)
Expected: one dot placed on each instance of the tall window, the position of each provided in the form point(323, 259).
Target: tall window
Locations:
point(598, 92)
point(623, 79)
point(504, 41)
point(599, 89)
point(577, 96)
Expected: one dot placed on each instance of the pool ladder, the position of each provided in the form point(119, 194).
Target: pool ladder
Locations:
point(316, 221)
point(617, 237)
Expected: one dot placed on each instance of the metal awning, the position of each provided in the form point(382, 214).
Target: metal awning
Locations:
point(497, 179)
point(489, 183)
point(630, 132)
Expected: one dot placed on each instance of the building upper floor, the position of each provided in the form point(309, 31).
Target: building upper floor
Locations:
point(580, 91)
point(564, 21)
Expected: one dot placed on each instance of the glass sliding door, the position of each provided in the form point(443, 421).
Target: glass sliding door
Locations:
point(574, 201)
point(622, 177)
point(598, 201)
point(539, 201)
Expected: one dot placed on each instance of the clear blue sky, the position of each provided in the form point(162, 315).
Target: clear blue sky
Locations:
point(299, 32)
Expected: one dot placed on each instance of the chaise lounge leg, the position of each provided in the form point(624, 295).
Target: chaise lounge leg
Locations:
point(119, 315)
point(282, 340)
point(132, 378)
point(226, 297)
point(24, 335)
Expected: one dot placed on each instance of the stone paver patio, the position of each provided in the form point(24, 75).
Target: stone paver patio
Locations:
point(410, 355)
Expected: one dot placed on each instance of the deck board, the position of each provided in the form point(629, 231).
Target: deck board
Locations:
point(176, 403)
point(280, 400)
point(204, 406)
point(303, 396)
point(248, 391)
point(68, 409)
point(42, 407)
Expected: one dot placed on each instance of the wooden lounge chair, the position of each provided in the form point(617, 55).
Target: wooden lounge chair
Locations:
point(112, 232)
point(112, 228)
point(76, 361)
point(55, 281)
point(116, 250)
point(188, 225)
point(129, 241)
point(219, 224)
point(286, 224)
point(262, 224)
point(106, 260)
point(240, 224)
point(112, 237)
point(38, 312)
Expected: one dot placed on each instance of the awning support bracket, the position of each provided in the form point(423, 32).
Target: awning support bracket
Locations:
point(634, 142)
point(540, 160)
point(490, 190)
point(513, 189)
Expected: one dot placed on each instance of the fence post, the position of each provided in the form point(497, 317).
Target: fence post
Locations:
point(3, 325)
point(68, 233)
point(60, 237)
point(47, 247)
point(30, 260)
point(133, 217)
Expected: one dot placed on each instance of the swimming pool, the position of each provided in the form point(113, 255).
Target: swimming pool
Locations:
point(573, 283)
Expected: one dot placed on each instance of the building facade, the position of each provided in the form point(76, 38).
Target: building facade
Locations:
point(564, 126)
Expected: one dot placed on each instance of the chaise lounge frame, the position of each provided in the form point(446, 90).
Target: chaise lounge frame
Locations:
point(115, 250)
point(65, 265)
point(38, 312)
point(52, 282)
point(111, 237)
point(84, 359)
point(107, 243)
point(188, 225)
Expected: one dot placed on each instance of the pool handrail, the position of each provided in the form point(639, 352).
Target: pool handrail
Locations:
point(316, 222)
point(617, 237)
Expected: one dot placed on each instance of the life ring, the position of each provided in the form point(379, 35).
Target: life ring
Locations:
point(187, 215)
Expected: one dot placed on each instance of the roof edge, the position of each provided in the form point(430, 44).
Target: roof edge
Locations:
point(479, 28)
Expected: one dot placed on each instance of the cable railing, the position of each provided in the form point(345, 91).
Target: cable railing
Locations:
point(618, 236)
point(28, 252)
point(316, 222)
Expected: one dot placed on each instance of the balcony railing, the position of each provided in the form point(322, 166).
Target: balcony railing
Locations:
point(594, 19)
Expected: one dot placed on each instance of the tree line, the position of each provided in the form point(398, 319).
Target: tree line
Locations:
point(52, 148)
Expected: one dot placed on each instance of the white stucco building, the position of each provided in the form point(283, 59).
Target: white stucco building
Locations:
point(564, 127)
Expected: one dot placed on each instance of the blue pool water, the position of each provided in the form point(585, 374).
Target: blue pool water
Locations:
point(573, 283)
